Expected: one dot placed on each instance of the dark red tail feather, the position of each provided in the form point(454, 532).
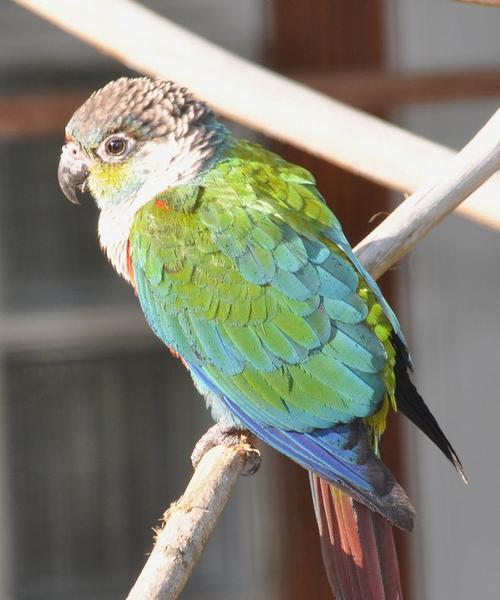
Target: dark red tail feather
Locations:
point(357, 545)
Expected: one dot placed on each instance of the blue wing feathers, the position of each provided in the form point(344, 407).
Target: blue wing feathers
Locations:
point(342, 455)
point(268, 317)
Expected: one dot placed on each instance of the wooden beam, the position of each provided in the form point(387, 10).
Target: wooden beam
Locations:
point(485, 2)
point(263, 100)
point(46, 113)
point(378, 90)
point(37, 114)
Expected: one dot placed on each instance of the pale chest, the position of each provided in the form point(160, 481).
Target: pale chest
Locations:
point(114, 230)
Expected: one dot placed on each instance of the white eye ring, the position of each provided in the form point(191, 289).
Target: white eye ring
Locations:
point(115, 147)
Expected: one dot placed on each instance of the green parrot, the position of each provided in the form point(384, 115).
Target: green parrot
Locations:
point(244, 273)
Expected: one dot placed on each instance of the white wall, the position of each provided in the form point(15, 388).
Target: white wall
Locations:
point(452, 289)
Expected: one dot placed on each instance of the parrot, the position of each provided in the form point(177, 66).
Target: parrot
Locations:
point(244, 273)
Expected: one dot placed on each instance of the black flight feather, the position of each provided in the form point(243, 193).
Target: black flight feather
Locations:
point(412, 405)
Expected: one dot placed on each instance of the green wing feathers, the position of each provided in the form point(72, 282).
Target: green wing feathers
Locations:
point(248, 275)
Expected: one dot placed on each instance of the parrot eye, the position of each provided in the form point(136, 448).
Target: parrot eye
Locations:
point(115, 147)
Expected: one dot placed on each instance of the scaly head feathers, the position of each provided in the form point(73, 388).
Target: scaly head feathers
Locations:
point(136, 131)
point(131, 140)
point(143, 108)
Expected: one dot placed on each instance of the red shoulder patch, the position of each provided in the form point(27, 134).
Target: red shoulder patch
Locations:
point(162, 204)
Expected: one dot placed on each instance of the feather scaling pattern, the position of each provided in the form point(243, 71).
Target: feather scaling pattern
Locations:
point(258, 291)
point(244, 273)
point(288, 335)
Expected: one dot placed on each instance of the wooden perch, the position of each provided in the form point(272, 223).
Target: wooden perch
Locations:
point(264, 100)
point(190, 521)
point(188, 524)
point(421, 212)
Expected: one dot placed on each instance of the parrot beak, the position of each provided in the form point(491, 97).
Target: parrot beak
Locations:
point(72, 172)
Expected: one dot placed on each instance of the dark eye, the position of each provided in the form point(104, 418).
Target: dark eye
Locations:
point(116, 146)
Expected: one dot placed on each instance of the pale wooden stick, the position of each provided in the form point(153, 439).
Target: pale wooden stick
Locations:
point(263, 100)
point(484, 2)
point(414, 218)
point(189, 522)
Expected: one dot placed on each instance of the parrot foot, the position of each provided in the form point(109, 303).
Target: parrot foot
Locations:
point(229, 436)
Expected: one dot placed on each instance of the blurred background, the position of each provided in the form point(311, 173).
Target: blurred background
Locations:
point(97, 421)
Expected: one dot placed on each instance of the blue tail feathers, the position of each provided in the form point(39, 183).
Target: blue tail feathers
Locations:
point(342, 456)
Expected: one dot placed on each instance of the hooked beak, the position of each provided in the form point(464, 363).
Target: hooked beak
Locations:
point(72, 172)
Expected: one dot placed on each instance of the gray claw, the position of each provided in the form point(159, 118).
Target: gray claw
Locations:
point(226, 435)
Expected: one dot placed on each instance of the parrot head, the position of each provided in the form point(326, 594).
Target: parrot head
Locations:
point(131, 140)
point(137, 137)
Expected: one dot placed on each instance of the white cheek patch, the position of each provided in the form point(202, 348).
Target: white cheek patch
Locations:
point(166, 165)
point(174, 162)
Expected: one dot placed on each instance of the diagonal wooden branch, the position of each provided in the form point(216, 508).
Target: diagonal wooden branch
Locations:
point(428, 206)
point(190, 521)
point(263, 100)
point(188, 524)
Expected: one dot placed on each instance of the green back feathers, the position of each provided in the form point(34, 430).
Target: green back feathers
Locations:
point(247, 275)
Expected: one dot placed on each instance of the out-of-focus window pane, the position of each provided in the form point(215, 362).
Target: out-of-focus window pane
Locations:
point(97, 446)
point(48, 247)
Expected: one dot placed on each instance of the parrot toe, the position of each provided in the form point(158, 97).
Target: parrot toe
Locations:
point(222, 434)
